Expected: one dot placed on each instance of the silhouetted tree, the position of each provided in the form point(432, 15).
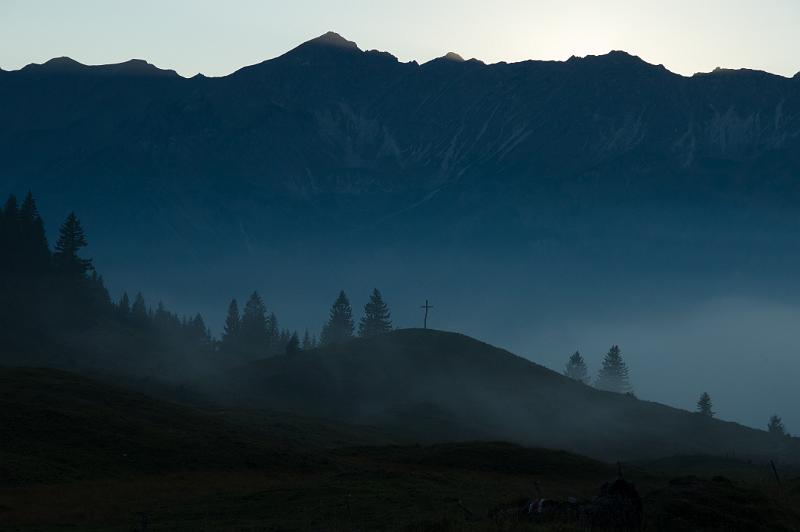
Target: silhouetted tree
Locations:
point(275, 343)
point(775, 426)
point(139, 310)
point(576, 368)
point(254, 333)
point(231, 331)
point(10, 236)
point(199, 334)
point(704, 405)
point(376, 319)
point(124, 306)
point(309, 341)
point(71, 239)
point(340, 323)
point(293, 345)
point(613, 376)
point(35, 253)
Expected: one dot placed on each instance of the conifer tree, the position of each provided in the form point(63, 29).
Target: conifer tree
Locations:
point(139, 310)
point(376, 319)
point(71, 239)
point(34, 249)
point(307, 344)
point(704, 405)
point(9, 236)
point(339, 327)
point(293, 345)
point(775, 426)
point(613, 376)
point(274, 343)
point(230, 333)
point(124, 306)
point(254, 334)
point(198, 332)
point(576, 368)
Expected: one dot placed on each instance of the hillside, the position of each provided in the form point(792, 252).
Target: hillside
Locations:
point(58, 426)
point(426, 385)
point(84, 455)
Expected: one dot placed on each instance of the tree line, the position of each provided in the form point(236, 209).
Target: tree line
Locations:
point(254, 332)
point(54, 305)
point(614, 376)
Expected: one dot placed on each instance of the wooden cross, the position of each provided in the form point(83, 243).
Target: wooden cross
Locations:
point(427, 307)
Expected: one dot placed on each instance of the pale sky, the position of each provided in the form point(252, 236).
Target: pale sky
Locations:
point(215, 37)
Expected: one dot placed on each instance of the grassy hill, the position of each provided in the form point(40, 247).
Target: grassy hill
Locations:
point(78, 454)
point(431, 386)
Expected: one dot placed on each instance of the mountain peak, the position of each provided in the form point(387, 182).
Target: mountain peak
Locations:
point(332, 39)
point(452, 56)
point(58, 64)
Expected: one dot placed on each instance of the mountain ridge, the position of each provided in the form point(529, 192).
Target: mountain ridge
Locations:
point(334, 40)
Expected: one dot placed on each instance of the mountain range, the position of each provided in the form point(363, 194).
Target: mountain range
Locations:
point(357, 137)
point(541, 205)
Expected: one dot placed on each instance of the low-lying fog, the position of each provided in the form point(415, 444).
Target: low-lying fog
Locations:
point(680, 334)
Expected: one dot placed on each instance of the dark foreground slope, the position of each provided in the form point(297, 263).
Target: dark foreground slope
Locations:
point(58, 426)
point(81, 455)
point(435, 386)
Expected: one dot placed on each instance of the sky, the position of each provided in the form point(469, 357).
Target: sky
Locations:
point(216, 38)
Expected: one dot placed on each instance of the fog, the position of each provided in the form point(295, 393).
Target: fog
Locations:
point(731, 335)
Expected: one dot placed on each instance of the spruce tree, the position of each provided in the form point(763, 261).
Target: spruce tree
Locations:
point(377, 318)
point(124, 306)
point(293, 345)
point(775, 426)
point(199, 334)
point(230, 333)
point(254, 334)
point(339, 327)
point(307, 341)
point(35, 251)
point(71, 239)
point(10, 238)
point(613, 376)
point(139, 310)
point(704, 405)
point(576, 368)
point(274, 343)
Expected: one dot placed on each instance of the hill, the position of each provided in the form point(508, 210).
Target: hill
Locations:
point(80, 454)
point(58, 426)
point(426, 385)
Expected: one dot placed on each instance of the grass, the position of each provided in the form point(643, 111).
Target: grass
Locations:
point(80, 455)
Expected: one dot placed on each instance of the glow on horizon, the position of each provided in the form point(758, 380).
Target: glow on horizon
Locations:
point(216, 38)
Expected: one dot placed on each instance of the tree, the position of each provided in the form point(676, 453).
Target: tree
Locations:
point(124, 306)
point(139, 310)
point(613, 376)
point(377, 318)
point(293, 345)
point(309, 341)
point(34, 249)
point(704, 405)
point(230, 333)
point(9, 235)
point(254, 333)
point(576, 368)
point(274, 333)
point(199, 334)
point(775, 426)
point(71, 239)
point(340, 323)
